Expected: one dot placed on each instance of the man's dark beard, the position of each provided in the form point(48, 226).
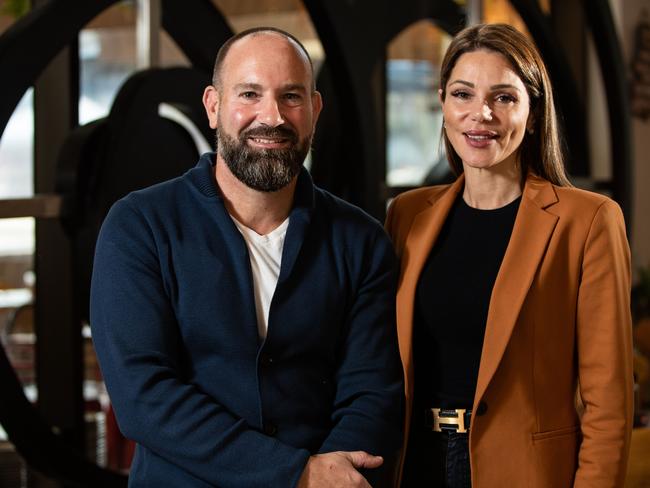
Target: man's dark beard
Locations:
point(266, 170)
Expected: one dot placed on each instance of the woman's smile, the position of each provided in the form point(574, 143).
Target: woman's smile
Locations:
point(480, 138)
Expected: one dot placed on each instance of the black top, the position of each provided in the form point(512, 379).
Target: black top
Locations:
point(452, 301)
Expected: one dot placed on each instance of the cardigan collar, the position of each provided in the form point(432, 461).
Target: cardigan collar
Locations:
point(203, 179)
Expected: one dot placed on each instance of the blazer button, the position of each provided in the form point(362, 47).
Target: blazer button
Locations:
point(270, 429)
point(481, 409)
point(266, 359)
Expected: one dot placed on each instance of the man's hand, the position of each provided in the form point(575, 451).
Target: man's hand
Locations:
point(338, 470)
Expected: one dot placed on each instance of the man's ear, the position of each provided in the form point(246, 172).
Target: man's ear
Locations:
point(211, 104)
point(316, 107)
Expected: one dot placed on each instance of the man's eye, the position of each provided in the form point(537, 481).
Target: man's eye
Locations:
point(292, 97)
point(248, 94)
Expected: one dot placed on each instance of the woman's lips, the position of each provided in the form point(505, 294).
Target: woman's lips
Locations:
point(480, 138)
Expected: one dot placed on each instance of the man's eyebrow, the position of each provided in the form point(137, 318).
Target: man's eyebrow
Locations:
point(257, 87)
point(248, 86)
point(295, 87)
point(499, 86)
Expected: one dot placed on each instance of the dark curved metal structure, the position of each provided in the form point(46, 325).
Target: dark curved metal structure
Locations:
point(612, 68)
point(356, 73)
point(25, 54)
point(349, 147)
point(570, 102)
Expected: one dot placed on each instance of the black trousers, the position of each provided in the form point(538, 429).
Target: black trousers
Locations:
point(437, 460)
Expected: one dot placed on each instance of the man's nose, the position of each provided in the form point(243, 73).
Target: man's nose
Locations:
point(483, 113)
point(270, 113)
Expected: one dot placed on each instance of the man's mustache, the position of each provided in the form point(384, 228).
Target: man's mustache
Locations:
point(280, 132)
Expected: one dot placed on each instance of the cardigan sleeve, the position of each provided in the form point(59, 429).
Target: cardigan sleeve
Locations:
point(369, 401)
point(604, 348)
point(138, 345)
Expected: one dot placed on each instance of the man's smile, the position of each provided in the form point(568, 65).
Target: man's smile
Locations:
point(269, 142)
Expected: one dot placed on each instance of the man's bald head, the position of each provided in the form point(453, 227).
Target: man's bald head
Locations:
point(257, 31)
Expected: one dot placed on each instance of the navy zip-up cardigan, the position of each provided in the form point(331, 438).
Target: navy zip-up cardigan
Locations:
point(174, 325)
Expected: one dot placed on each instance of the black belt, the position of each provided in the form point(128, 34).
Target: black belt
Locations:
point(454, 420)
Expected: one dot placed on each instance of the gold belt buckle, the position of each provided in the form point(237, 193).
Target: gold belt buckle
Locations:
point(458, 420)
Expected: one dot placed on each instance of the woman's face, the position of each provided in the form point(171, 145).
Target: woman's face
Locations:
point(486, 110)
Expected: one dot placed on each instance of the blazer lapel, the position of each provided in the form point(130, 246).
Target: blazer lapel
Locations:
point(530, 236)
point(420, 239)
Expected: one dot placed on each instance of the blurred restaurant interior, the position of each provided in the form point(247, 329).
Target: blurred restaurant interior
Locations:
point(89, 88)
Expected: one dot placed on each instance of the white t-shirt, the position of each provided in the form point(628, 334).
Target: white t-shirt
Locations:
point(265, 253)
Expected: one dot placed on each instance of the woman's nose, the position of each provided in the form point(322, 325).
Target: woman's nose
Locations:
point(483, 113)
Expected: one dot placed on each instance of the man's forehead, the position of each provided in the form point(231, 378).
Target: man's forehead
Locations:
point(264, 37)
point(265, 44)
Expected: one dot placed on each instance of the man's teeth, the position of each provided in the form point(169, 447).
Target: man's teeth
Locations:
point(267, 141)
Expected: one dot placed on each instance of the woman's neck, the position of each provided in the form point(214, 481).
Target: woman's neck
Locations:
point(490, 188)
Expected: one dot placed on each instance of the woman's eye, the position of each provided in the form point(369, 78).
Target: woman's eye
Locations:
point(463, 95)
point(506, 98)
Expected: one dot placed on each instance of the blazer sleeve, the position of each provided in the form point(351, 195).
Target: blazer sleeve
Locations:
point(604, 348)
point(138, 345)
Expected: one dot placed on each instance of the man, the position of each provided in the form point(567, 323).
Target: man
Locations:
point(236, 357)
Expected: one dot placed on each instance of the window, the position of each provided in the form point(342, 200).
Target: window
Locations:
point(414, 117)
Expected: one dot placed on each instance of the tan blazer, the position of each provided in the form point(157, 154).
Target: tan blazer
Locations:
point(558, 321)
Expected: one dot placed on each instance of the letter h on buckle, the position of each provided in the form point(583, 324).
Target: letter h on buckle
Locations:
point(449, 420)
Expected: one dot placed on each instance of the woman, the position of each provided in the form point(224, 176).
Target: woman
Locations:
point(513, 304)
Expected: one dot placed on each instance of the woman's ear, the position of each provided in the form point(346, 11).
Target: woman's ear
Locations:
point(530, 123)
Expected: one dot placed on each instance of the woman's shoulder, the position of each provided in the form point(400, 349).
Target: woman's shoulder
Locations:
point(419, 197)
point(406, 206)
point(587, 202)
point(573, 199)
point(578, 209)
